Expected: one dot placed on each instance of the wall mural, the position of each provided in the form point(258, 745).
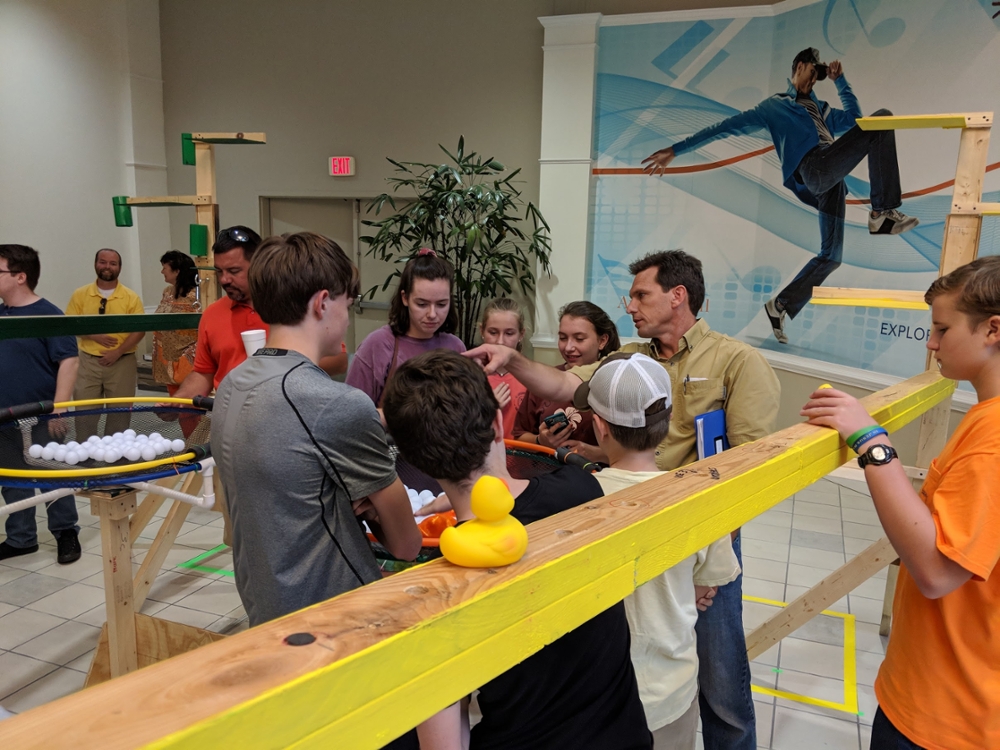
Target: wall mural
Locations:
point(727, 201)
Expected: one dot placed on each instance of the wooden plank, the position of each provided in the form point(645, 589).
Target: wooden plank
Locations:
point(45, 326)
point(145, 512)
point(156, 641)
point(983, 209)
point(208, 215)
point(408, 636)
point(231, 138)
point(892, 575)
point(894, 298)
point(116, 546)
point(809, 604)
point(171, 200)
point(165, 537)
point(911, 122)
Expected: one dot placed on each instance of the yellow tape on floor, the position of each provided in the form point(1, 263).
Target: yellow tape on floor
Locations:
point(850, 704)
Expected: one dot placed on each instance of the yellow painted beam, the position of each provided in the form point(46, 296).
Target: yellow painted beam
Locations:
point(230, 138)
point(389, 655)
point(171, 200)
point(845, 297)
point(913, 122)
point(981, 209)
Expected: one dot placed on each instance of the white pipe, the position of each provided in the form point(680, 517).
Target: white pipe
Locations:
point(207, 499)
point(36, 500)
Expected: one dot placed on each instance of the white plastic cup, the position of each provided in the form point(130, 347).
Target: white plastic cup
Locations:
point(254, 340)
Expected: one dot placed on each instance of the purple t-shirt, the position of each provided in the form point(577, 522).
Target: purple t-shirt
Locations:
point(370, 368)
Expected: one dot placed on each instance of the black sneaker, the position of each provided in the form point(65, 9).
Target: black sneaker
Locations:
point(68, 544)
point(7, 551)
point(890, 222)
point(777, 319)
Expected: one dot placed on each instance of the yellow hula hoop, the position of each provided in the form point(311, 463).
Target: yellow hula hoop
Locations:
point(110, 471)
point(139, 400)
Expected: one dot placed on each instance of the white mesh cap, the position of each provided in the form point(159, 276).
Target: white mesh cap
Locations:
point(623, 387)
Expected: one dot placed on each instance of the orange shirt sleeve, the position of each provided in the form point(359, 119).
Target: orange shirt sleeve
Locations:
point(966, 510)
point(205, 361)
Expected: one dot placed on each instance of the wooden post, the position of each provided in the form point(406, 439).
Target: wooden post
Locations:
point(116, 544)
point(890, 593)
point(207, 215)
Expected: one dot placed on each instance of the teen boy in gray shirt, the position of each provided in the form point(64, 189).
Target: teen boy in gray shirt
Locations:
point(302, 457)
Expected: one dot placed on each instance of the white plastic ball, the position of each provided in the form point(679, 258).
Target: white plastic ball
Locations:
point(142, 438)
point(72, 445)
point(112, 455)
point(177, 446)
point(83, 452)
point(48, 453)
point(155, 436)
point(60, 453)
point(52, 445)
point(118, 435)
point(148, 452)
point(106, 440)
point(72, 458)
point(129, 433)
point(35, 451)
point(132, 453)
point(98, 454)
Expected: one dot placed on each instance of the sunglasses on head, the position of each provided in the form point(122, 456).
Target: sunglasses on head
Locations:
point(237, 235)
point(104, 306)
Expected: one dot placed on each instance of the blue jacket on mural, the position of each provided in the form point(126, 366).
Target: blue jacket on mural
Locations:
point(792, 129)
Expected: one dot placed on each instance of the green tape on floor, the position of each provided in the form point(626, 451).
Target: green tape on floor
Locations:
point(192, 564)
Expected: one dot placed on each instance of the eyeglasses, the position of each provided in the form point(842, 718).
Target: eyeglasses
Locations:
point(104, 306)
point(237, 235)
point(12, 273)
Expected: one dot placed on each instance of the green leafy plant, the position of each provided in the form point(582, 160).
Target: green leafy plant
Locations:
point(469, 213)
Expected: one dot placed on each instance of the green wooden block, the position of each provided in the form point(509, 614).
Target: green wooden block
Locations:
point(123, 211)
point(187, 150)
point(198, 240)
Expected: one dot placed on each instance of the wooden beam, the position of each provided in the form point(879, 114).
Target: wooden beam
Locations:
point(910, 122)
point(388, 655)
point(230, 138)
point(839, 583)
point(161, 545)
point(116, 547)
point(172, 200)
point(981, 209)
point(892, 575)
point(894, 298)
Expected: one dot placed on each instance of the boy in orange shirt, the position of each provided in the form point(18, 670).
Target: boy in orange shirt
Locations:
point(939, 686)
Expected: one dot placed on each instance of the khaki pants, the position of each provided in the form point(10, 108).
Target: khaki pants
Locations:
point(96, 381)
point(680, 734)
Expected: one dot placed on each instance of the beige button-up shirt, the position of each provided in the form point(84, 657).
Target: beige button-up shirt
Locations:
point(711, 371)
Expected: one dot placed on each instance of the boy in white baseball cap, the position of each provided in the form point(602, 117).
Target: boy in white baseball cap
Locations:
point(630, 397)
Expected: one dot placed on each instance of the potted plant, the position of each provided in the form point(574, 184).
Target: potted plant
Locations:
point(469, 213)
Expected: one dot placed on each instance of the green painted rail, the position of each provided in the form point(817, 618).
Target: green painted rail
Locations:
point(43, 326)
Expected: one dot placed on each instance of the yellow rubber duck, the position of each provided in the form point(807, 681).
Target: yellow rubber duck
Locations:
point(494, 537)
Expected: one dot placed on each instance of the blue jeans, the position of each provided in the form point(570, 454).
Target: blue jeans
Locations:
point(22, 531)
point(727, 715)
point(885, 736)
point(823, 171)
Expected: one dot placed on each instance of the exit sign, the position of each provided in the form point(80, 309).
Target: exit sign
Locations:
point(341, 166)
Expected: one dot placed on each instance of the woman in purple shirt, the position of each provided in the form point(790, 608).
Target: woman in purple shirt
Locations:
point(421, 317)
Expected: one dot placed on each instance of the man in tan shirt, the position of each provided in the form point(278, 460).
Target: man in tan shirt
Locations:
point(708, 371)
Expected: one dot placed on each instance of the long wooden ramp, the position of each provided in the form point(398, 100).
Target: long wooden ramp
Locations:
point(377, 661)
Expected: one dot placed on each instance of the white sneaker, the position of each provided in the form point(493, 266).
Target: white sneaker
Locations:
point(890, 222)
point(777, 319)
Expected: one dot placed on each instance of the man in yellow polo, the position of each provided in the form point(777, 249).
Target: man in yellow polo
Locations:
point(107, 360)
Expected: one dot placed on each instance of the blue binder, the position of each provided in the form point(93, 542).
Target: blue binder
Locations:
point(710, 429)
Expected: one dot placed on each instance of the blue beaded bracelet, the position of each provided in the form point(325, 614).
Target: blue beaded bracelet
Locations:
point(873, 432)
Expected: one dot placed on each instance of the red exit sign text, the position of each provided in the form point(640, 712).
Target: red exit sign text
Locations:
point(341, 166)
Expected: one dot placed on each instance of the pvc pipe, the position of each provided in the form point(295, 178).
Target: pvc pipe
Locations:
point(36, 500)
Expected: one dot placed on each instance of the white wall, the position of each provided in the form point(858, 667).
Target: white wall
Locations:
point(67, 131)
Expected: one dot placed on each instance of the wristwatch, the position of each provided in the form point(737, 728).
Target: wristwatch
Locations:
point(877, 455)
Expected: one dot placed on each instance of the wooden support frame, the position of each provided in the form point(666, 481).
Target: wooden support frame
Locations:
point(172, 200)
point(388, 655)
point(971, 120)
point(892, 298)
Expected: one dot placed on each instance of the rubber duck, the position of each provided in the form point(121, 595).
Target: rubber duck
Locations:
point(494, 537)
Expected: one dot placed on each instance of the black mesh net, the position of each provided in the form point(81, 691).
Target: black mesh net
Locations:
point(107, 441)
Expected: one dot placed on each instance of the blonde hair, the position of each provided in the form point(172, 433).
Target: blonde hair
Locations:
point(504, 304)
point(978, 287)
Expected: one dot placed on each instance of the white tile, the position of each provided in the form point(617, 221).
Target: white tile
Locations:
point(812, 658)
point(203, 537)
point(816, 558)
point(863, 531)
point(866, 735)
point(770, 657)
point(16, 671)
point(62, 644)
point(795, 730)
point(71, 602)
point(763, 675)
point(811, 686)
point(765, 533)
point(805, 575)
point(817, 510)
point(858, 502)
point(766, 570)
point(193, 617)
point(824, 486)
point(866, 610)
point(765, 550)
point(868, 638)
point(818, 498)
point(815, 523)
point(44, 557)
point(775, 518)
point(54, 685)
point(867, 704)
point(765, 718)
point(21, 625)
point(218, 597)
point(8, 574)
point(868, 666)
point(86, 566)
point(7, 608)
point(855, 515)
point(30, 588)
point(82, 662)
point(754, 614)
point(763, 589)
point(873, 588)
point(854, 546)
point(90, 539)
point(171, 586)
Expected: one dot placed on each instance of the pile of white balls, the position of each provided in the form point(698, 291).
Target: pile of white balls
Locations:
point(108, 449)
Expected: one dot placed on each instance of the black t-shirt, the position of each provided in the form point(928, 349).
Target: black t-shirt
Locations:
point(580, 691)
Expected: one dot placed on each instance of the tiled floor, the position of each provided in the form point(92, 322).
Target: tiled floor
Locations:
point(50, 615)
